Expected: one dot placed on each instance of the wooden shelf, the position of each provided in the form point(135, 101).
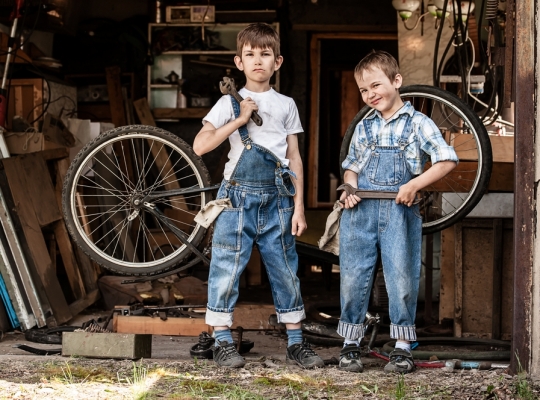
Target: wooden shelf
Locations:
point(176, 113)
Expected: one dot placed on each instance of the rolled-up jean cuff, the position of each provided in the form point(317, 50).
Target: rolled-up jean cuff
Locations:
point(215, 318)
point(402, 332)
point(291, 317)
point(350, 331)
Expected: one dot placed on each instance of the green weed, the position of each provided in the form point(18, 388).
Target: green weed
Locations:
point(400, 387)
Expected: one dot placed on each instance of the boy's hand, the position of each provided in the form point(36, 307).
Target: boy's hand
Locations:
point(299, 224)
point(406, 194)
point(247, 106)
point(350, 201)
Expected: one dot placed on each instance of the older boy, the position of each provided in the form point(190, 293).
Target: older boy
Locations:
point(267, 208)
point(388, 153)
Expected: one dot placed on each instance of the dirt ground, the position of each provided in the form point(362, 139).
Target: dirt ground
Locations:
point(172, 374)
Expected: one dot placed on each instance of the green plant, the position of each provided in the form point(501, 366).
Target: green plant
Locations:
point(522, 388)
point(400, 387)
point(68, 375)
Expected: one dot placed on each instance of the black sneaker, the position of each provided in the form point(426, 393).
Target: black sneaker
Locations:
point(349, 359)
point(225, 355)
point(401, 361)
point(302, 355)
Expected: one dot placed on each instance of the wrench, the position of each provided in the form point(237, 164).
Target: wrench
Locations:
point(226, 86)
point(373, 194)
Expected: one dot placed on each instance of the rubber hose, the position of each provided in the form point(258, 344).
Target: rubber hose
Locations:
point(461, 355)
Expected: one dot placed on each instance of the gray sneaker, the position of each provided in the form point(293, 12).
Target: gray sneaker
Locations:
point(302, 355)
point(349, 359)
point(401, 361)
point(225, 355)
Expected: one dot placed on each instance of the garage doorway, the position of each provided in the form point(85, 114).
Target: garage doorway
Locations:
point(335, 100)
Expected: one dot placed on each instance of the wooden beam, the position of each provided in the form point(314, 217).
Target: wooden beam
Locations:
point(313, 141)
point(80, 305)
point(116, 100)
point(156, 326)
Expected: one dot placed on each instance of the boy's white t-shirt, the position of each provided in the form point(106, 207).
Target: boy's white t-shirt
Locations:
point(280, 119)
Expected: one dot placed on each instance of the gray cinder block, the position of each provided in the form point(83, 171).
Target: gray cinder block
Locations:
point(106, 345)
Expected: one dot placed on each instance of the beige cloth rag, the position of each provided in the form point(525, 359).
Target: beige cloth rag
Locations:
point(210, 211)
point(330, 239)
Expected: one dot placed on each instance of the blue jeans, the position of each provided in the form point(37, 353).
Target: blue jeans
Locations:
point(260, 215)
point(394, 229)
point(390, 227)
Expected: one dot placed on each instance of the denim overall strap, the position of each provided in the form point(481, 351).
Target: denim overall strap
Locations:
point(405, 133)
point(258, 166)
point(372, 142)
point(244, 134)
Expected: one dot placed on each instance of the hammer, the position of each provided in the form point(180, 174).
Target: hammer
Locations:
point(226, 86)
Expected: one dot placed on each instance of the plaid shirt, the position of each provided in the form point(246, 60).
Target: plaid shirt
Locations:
point(424, 142)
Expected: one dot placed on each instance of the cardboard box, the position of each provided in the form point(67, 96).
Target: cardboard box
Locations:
point(28, 142)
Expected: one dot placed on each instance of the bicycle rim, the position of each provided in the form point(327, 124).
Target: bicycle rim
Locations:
point(451, 198)
point(109, 179)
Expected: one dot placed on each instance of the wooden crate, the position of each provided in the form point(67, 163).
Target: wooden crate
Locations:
point(477, 277)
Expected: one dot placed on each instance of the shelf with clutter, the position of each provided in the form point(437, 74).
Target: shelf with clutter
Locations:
point(188, 61)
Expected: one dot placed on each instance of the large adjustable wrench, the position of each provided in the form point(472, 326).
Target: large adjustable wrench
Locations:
point(373, 194)
point(226, 86)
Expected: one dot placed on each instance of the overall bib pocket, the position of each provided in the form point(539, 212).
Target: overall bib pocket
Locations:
point(386, 169)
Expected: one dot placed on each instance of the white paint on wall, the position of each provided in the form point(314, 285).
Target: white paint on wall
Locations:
point(416, 51)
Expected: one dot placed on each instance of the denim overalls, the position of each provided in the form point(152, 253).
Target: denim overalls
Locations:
point(393, 228)
point(260, 189)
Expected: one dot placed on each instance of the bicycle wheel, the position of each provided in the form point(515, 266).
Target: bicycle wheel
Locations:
point(450, 199)
point(130, 197)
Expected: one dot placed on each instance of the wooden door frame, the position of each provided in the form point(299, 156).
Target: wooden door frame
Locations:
point(315, 60)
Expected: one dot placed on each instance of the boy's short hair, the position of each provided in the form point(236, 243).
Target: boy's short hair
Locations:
point(258, 35)
point(378, 58)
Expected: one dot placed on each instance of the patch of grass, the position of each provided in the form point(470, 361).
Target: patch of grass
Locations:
point(73, 373)
point(522, 387)
point(208, 389)
point(400, 387)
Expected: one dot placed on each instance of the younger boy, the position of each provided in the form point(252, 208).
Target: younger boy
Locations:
point(388, 152)
point(267, 208)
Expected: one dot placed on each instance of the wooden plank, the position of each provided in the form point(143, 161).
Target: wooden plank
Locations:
point(350, 100)
point(458, 281)
point(143, 112)
point(497, 278)
point(313, 140)
point(68, 258)
point(502, 148)
point(80, 305)
point(54, 154)
point(37, 247)
point(40, 189)
point(114, 88)
point(156, 326)
point(461, 178)
point(178, 113)
point(446, 299)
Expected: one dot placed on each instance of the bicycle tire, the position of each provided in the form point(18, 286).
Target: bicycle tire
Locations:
point(111, 176)
point(464, 121)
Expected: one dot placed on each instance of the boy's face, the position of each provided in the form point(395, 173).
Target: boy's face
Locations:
point(258, 64)
point(378, 91)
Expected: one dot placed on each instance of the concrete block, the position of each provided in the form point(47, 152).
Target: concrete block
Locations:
point(106, 345)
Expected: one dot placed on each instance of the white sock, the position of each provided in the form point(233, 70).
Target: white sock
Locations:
point(351, 341)
point(403, 345)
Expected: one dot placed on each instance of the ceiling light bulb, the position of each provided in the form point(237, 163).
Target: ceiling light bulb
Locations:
point(406, 7)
